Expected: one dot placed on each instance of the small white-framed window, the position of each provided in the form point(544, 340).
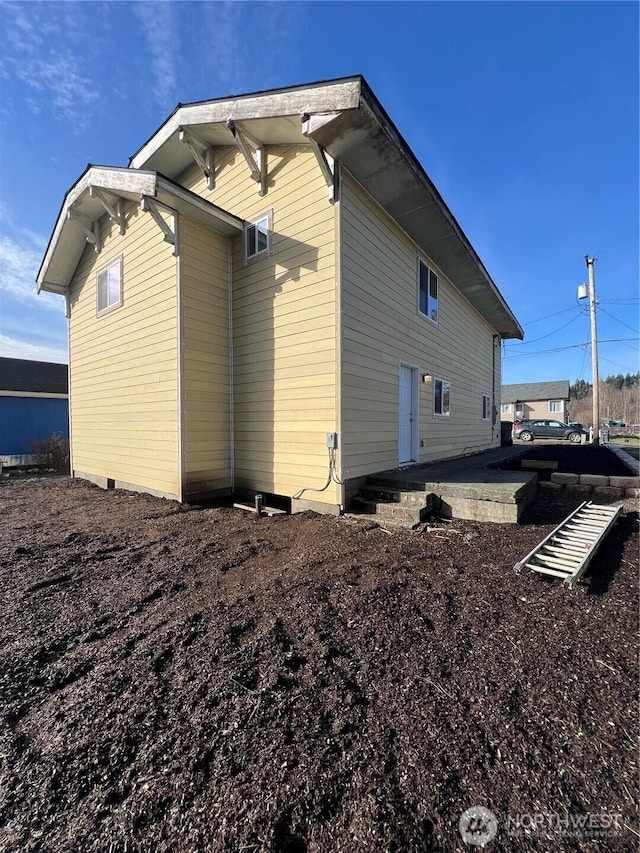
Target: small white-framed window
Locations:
point(505, 408)
point(556, 406)
point(257, 237)
point(109, 287)
point(486, 407)
point(441, 397)
point(427, 291)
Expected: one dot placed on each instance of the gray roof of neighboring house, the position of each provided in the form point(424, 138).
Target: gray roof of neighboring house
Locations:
point(38, 377)
point(525, 391)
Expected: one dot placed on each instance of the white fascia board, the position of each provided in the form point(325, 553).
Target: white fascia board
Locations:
point(327, 98)
point(189, 203)
point(134, 184)
point(123, 180)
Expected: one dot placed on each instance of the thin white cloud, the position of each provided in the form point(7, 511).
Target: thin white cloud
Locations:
point(14, 348)
point(45, 48)
point(230, 66)
point(62, 78)
point(159, 24)
point(222, 42)
point(21, 252)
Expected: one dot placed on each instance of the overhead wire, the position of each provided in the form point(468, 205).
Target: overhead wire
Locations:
point(555, 331)
point(569, 346)
point(547, 316)
point(604, 311)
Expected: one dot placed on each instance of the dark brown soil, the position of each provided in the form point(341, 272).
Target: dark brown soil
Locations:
point(573, 459)
point(196, 679)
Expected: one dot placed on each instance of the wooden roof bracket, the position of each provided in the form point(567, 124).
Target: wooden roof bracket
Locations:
point(325, 161)
point(113, 204)
point(258, 164)
point(91, 229)
point(201, 152)
point(170, 231)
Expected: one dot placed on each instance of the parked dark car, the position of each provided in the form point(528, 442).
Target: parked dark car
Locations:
point(528, 430)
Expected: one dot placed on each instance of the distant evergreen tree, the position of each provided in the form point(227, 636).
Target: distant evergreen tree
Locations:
point(579, 389)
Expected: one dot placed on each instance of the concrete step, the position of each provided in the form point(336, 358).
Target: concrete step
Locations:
point(401, 496)
point(396, 524)
point(392, 510)
point(400, 484)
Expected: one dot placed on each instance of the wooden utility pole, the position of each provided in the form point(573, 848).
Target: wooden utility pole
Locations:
point(594, 349)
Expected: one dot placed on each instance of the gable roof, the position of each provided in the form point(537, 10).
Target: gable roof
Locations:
point(340, 118)
point(82, 201)
point(38, 377)
point(345, 119)
point(530, 391)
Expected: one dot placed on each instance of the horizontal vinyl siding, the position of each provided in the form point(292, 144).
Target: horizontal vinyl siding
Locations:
point(124, 365)
point(284, 322)
point(204, 274)
point(381, 327)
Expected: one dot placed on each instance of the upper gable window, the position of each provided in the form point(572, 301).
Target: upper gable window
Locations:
point(505, 408)
point(109, 286)
point(427, 291)
point(257, 237)
point(486, 407)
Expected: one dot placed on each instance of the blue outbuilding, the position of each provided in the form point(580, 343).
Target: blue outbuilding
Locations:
point(34, 405)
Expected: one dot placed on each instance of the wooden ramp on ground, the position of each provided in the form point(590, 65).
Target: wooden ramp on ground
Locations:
point(568, 550)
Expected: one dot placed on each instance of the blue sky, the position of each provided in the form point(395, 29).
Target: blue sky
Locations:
point(525, 115)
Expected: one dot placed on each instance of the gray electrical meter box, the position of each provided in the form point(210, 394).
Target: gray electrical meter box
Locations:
point(332, 440)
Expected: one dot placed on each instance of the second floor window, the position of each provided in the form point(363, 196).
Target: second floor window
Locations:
point(109, 281)
point(427, 291)
point(257, 237)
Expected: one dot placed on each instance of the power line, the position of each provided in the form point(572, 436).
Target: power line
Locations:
point(604, 311)
point(547, 316)
point(569, 346)
point(617, 364)
point(555, 331)
point(584, 359)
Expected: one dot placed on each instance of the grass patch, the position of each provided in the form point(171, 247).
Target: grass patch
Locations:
point(629, 443)
point(632, 450)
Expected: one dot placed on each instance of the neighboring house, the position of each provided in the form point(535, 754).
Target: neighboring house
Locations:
point(535, 400)
point(272, 274)
point(34, 405)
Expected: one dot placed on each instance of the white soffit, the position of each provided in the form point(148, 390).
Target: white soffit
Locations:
point(346, 120)
point(83, 203)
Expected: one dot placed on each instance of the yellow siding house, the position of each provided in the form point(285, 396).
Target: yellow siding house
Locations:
point(272, 297)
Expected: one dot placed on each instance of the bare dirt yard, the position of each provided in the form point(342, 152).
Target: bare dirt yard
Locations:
point(178, 678)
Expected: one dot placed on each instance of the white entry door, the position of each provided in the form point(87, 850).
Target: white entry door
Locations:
point(407, 413)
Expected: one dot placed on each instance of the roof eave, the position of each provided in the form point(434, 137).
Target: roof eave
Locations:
point(367, 142)
point(67, 242)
